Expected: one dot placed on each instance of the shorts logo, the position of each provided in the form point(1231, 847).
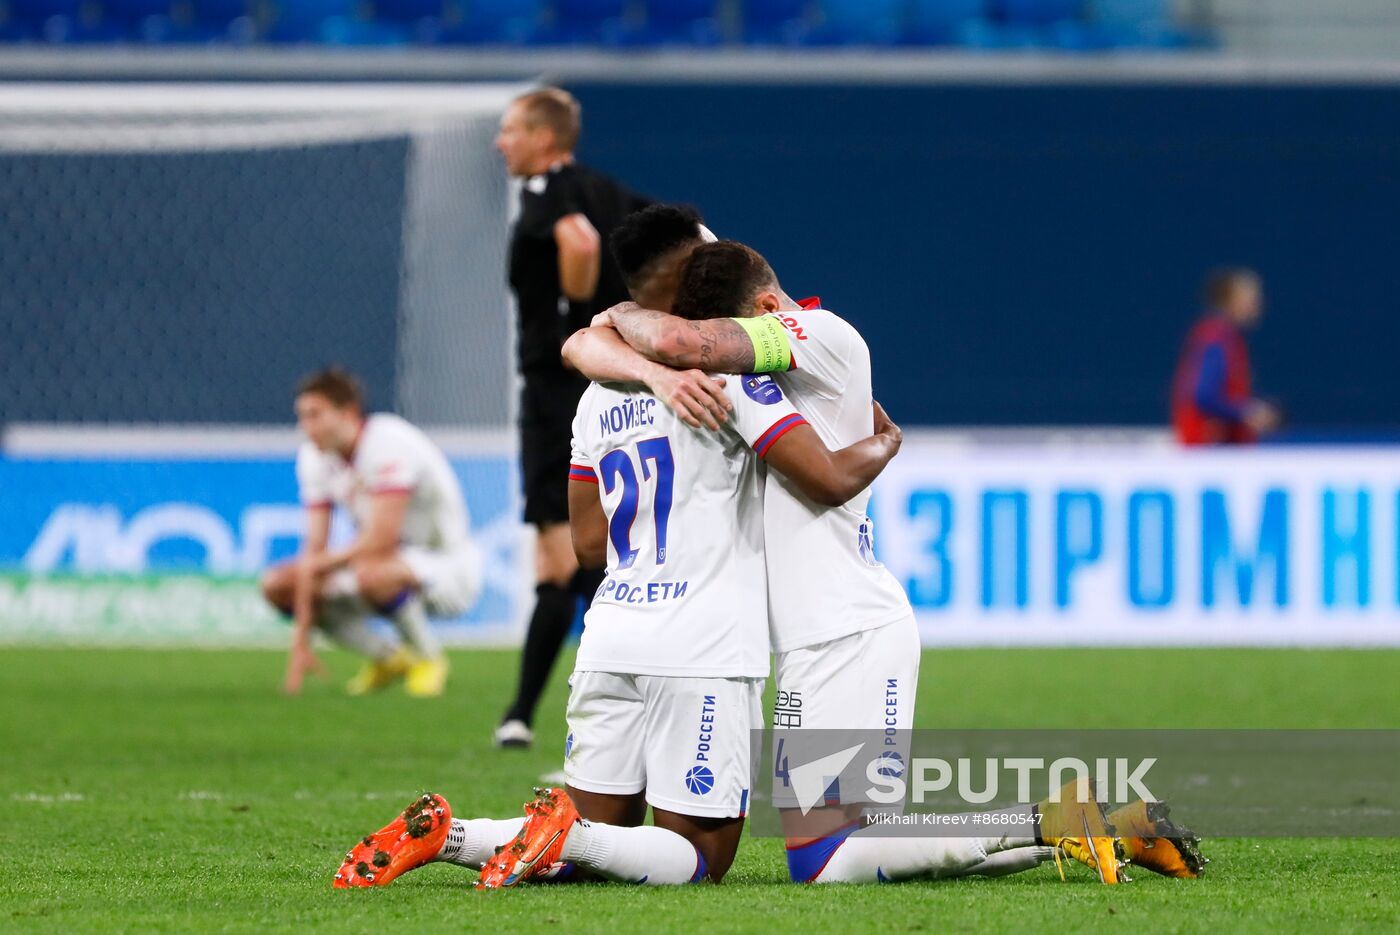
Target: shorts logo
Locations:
point(762, 389)
point(568, 745)
point(787, 709)
point(891, 764)
point(699, 780)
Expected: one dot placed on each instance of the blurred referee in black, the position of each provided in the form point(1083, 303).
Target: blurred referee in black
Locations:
point(562, 276)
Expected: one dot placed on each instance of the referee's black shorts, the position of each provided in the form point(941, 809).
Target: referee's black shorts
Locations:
point(547, 407)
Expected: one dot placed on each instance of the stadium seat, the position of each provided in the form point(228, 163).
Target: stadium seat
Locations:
point(781, 22)
point(589, 22)
point(1143, 24)
point(511, 22)
point(684, 22)
point(414, 20)
point(61, 22)
point(936, 22)
point(34, 20)
point(312, 21)
point(143, 20)
point(988, 36)
point(213, 21)
point(408, 11)
point(1037, 12)
point(859, 22)
point(1130, 11)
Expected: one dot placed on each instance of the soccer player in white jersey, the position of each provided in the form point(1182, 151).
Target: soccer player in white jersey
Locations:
point(843, 630)
point(412, 555)
point(669, 675)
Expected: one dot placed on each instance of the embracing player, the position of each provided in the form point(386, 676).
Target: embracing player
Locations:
point(844, 636)
point(669, 676)
point(412, 554)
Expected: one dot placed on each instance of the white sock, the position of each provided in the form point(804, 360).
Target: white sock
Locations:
point(1012, 861)
point(471, 843)
point(861, 859)
point(411, 620)
point(649, 855)
point(1020, 831)
point(346, 621)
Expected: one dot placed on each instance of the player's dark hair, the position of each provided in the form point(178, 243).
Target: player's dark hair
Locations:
point(1221, 284)
point(648, 235)
point(335, 384)
point(721, 280)
point(557, 109)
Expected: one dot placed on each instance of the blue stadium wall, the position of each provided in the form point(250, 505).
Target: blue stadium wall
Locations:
point(1033, 254)
point(1014, 254)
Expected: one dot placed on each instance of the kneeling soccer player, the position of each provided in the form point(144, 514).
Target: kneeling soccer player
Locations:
point(669, 676)
point(846, 643)
point(412, 554)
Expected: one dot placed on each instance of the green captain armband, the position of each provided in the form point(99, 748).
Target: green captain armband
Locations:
point(771, 350)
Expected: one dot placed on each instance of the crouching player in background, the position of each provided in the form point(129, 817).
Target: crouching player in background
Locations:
point(412, 554)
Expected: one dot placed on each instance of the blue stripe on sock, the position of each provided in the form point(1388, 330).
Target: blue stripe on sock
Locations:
point(807, 861)
point(700, 868)
point(399, 600)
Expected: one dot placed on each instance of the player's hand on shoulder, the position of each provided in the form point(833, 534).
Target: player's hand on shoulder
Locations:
point(693, 395)
point(884, 425)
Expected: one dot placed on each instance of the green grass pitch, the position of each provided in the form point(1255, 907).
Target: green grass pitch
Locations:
point(174, 791)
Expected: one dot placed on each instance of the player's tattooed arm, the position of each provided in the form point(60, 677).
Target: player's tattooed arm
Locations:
point(589, 524)
point(601, 355)
point(716, 345)
point(832, 478)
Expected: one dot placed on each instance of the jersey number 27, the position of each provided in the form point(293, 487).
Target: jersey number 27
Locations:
point(618, 467)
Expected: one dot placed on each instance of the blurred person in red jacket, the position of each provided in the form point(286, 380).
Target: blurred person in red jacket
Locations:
point(1213, 402)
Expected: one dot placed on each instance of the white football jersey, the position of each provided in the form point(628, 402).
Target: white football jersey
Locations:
point(390, 455)
point(823, 579)
point(685, 593)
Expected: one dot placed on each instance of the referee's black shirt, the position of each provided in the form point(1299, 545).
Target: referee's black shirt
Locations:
point(547, 317)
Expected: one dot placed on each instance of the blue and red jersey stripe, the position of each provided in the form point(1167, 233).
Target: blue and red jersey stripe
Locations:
point(778, 429)
point(582, 472)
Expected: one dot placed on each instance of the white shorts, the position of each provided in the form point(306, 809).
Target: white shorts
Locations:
point(450, 581)
point(686, 741)
point(865, 682)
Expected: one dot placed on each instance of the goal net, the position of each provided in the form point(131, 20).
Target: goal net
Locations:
point(182, 253)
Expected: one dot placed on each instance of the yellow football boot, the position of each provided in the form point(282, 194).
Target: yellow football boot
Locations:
point(374, 676)
point(1077, 827)
point(427, 678)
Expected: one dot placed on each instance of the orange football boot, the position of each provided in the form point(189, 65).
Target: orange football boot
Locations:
point(548, 820)
point(1153, 841)
point(406, 843)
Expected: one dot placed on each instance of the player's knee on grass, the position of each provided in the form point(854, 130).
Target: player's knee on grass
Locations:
point(716, 839)
point(279, 586)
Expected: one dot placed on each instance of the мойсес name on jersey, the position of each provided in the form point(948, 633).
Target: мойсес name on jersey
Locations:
point(628, 414)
